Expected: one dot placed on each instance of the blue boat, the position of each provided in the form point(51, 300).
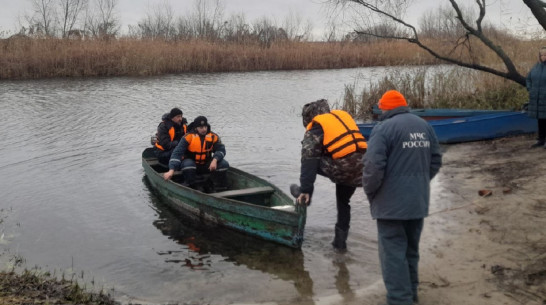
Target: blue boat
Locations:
point(431, 114)
point(475, 128)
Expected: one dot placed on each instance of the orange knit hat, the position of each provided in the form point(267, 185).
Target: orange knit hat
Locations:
point(392, 99)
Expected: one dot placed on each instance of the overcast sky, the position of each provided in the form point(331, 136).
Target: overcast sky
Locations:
point(513, 14)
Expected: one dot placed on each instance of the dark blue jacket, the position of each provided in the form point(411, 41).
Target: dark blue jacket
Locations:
point(536, 85)
point(403, 156)
point(181, 151)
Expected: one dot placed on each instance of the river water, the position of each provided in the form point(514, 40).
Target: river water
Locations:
point(75, 200)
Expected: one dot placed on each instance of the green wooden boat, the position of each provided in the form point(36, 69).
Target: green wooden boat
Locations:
point(250, 205)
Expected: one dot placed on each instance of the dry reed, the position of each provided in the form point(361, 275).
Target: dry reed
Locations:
point(455, 87)
point(26, 58)
point(452, 87)
point(30, 58)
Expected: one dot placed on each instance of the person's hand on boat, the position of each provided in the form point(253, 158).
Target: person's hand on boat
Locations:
point(303, 198)
point(213, 164)
point(168, 175)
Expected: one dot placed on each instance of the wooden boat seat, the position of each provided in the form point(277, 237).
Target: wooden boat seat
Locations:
point(245, 192)
point(154, 162)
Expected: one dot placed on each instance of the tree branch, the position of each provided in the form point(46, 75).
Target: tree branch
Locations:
point(511, 72)
point(537, 8)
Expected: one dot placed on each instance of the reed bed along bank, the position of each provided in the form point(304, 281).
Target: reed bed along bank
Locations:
point(26, 58)
point(22, 57)
point(453, 86)
point(447, 87)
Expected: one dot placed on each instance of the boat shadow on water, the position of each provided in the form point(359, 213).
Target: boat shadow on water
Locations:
point(203, 240)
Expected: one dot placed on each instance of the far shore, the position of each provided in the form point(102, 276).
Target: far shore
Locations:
point(33, 58)
point(23, 57)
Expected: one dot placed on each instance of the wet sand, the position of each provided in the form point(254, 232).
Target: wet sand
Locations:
point(482, 249)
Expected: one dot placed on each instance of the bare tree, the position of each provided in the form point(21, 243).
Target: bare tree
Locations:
point(295, 28)
point(267, 32)
point(184, 29)
point(331, 34)
point(102, 21)
point(207, 18)
point(392, 11)
point(158, 23)
point(538, 9)
point(236, 29)
point(69, 12)
point(43, 19)
point(442, 24)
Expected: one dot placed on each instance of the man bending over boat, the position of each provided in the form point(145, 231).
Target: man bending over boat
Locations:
point(200, 151)
point(169, 132)
point(332, 147)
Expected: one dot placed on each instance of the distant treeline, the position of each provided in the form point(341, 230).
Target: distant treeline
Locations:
point(64, 38)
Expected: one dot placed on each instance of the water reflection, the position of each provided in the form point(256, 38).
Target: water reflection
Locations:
point(201, 242)
point(342, 280)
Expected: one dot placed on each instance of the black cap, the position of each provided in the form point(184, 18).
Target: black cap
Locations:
point(174, 112)
point(200, 121)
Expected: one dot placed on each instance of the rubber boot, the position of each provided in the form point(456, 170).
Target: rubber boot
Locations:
point(189, 177)
point(340, 240)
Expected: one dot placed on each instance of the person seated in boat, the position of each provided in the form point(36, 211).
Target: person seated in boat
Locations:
point(200, 151)
point(333, 147)
point(172, 128)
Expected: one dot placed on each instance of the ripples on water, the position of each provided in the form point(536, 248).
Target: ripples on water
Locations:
point(74, 193)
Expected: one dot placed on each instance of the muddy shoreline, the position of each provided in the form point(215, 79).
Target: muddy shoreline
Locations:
point(484, 249)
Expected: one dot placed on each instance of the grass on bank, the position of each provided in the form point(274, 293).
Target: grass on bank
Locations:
point(31, 287)
point(452, 87)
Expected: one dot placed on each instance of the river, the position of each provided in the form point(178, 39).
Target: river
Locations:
point(75, 200)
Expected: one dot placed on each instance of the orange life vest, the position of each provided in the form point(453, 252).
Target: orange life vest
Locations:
point(200, 152)
point(172, 133)
point(341, 135)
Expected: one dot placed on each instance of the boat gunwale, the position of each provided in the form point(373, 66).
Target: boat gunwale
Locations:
point(459, 120)
point(444, 128)
point(476, 118)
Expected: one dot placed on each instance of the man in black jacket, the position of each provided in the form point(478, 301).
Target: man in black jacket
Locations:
point(169, 132)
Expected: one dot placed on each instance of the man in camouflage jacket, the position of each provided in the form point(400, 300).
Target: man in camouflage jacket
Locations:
point(345, 172)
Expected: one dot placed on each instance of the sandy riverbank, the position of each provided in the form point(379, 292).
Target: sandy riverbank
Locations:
point(484, 249)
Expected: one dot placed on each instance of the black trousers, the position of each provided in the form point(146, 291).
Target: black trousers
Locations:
point(343, 197)
point(163, 156)
point(541, 129)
